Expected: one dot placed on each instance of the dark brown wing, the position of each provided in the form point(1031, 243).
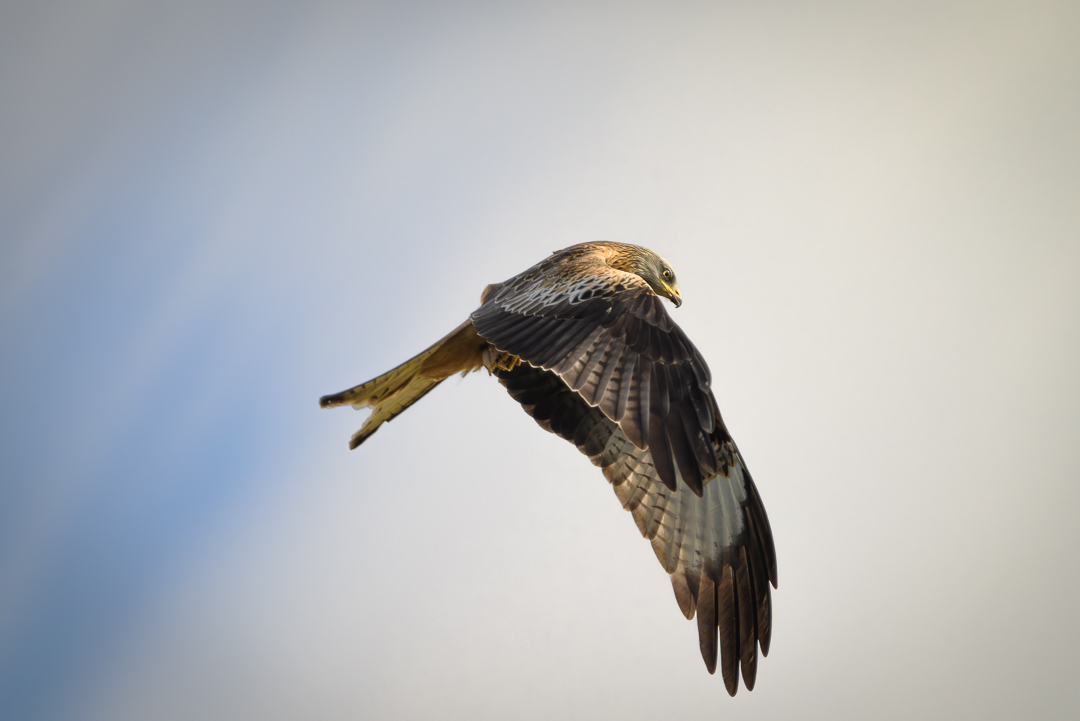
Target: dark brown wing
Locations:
point(610, 339)
point(718, 547)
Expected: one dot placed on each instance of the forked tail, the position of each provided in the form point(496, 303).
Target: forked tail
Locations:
point(391, 393)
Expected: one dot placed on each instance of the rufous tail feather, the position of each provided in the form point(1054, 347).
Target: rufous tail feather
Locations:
point(391, 393)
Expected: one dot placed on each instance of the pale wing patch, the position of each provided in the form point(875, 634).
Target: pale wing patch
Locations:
point(685, 530)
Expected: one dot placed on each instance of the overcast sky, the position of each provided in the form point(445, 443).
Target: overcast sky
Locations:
point(212, 213)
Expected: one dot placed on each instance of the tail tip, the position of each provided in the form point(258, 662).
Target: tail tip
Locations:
point(358, 438)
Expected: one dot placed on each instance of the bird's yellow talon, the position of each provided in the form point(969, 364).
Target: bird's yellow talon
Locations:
point(507, 362)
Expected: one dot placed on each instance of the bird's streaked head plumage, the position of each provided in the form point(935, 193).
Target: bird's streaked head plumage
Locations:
point(649, 266)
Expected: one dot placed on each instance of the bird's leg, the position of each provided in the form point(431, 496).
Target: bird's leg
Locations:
point(506, 362)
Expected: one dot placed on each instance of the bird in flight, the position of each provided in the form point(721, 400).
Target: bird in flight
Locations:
point(583, 342)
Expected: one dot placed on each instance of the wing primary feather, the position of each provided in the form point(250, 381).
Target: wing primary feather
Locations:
point(706, 621)
point(683, 597)
point(761, 579)
point(761, 525)
point(744, 596)
point(693, 582)
point(759, 575)
point(765, 632)
point(727, 611)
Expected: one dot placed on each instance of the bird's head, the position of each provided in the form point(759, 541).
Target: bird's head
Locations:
point(645, 264)
point(658, 273)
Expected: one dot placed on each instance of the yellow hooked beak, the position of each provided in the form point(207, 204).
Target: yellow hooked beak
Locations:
point(673, 292)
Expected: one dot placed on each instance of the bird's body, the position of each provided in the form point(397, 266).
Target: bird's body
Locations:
point(582, 340)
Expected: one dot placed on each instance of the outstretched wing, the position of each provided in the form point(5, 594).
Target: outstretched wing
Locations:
point(717, 544)
point(607, 335)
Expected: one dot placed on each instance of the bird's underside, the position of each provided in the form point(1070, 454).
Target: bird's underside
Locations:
point(582, 341)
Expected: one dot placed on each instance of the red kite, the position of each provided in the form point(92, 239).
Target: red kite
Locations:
point(583, 342)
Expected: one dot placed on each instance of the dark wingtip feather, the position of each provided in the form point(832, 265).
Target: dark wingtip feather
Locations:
point(765, 629)
point(706, 621)
point(744, 597)
point(727, 612)
point(762, 529)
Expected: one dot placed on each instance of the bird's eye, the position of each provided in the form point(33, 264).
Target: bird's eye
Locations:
point(666, 275)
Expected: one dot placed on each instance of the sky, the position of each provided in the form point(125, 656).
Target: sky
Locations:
point(214, 213)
